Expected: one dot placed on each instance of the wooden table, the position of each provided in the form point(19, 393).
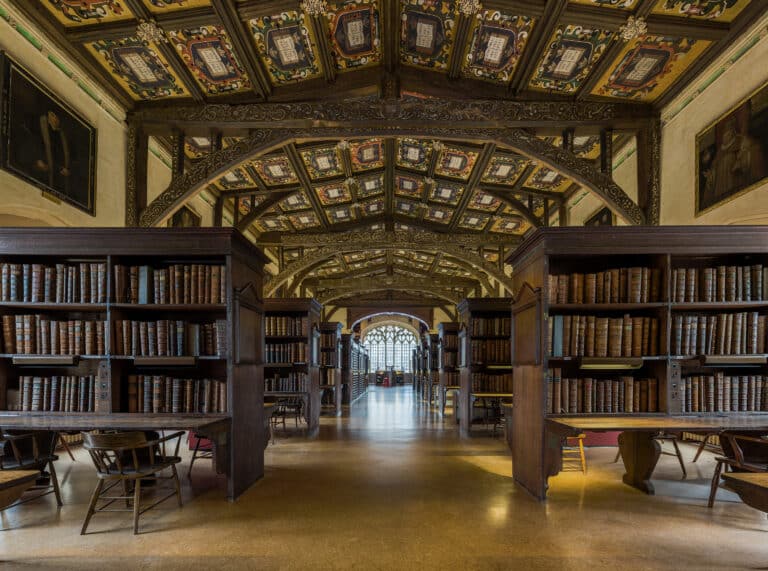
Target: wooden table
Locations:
point(752, 488)
point(13, 483)
point(639, 450)
point(214, 427)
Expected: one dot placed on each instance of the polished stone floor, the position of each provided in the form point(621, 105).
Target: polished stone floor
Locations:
point(391, 486)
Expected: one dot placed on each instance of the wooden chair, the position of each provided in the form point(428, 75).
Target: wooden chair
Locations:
point(573, 451)
point(742, 452)
point(125, 458)
point(32, 451)
point(288, 407)
point(704, 443)
point(203, 450)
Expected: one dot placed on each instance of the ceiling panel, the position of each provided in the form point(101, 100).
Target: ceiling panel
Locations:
point(498, 41)
point(72, 13)
point(474, 221)
point(322, 162)
point(455, 162)
point(372, 207)
point(367, 155)
point(286, 47)
point(355, 33)
point(545, 178)
point(439, 214)
point(164, 6)
point(504, 169)
point(414, 154)
point(304, 220)
point(484, 202)
point(411, 186)
point(647, 66)
point(275, 170)
point(337, 193)
point(407, 207)
point(208, 54)
point(446, 193)
point(620, 4)
point(426, 33)
point(138, 67)
point(570, 56)
point(506, 225)
point(370, 185)
point(719, 10)
point(296, 201)
point(236, 179)
point(340, 214)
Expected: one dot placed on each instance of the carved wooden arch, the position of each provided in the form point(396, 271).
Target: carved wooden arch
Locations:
point(480, 276)
point(263, 141)
point(325, 253)
point(329, 298)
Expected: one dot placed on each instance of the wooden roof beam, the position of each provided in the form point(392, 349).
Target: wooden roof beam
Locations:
point(474, 180)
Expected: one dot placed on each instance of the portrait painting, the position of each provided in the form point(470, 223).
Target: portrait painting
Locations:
point(43, 140)
point(603, 217)
point(732, 153)
point(185, 217)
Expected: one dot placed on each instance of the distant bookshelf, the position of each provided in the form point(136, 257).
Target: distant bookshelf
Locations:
point(330, 367)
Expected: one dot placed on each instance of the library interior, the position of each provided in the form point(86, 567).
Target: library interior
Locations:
point(384, 284)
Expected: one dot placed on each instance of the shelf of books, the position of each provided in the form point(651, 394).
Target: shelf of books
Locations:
point(636, 321)
point(330, 367)
point(421, 363)
point(447, 361)
point(485, 363)
point(354, 368)
point(292, 353)
point(135, 321)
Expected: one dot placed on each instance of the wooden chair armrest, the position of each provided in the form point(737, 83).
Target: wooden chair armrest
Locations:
point(759, 440)
point(14, 437)
point(161, 441)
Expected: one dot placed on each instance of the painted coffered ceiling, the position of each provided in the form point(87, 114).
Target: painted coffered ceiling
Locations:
point(241, 50)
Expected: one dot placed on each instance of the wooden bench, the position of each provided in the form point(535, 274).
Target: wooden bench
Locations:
point(13, 483)
point(752, 488)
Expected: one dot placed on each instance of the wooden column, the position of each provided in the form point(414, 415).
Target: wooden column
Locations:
point(218, 212)
point(649, 171)
point(606, 151)
point(136, 175)
point(568, 135)
point(563, 214)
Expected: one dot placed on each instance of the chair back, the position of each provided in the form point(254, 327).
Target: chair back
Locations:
point(28, 449)
point(745, 447)
point(115, 451)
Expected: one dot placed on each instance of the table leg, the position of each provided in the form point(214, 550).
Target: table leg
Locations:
point(640, 452)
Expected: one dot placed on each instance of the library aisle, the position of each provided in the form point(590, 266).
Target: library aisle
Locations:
point(390, 485)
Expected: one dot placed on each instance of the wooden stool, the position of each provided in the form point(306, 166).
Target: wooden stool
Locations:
point(574, 451)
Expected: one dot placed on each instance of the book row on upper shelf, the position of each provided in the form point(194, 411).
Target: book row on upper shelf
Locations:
point(491, 351)
point(492, 383)
point(286, 326)
point(618, 285)
point(329, 340)
point(451, 379)
point(38, 335)
point(53, 394)
point(285, 353)
point(491, 326)
point(166, 337)
point(742, 333)
point(82, 282)
point(720, 284)
point(175, 284)
point(288, 382)
point(721, 393)
point(589, 395)
point(592, 336)
point(328, 359)
point(450, 341)
point(160, 393)
point(450, 360)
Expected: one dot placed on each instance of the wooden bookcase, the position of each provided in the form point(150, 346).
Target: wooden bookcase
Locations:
point(213, 259)
point(484, 354)
point(666, 252)
point(447, 362)
point(330, 366)
point(292, 353)
point(354, 368)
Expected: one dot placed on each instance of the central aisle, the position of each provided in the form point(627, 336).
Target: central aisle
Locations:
point(391, 486)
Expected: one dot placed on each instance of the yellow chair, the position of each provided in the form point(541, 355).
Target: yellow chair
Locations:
point(573, 452)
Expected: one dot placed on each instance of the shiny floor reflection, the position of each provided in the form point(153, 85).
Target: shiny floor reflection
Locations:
point(391, 486)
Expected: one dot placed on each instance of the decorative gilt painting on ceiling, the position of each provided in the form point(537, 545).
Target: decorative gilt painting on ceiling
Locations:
point(286, 47)
point(80, 12)
point(497, 43)
point(718, 10)
point(427, 31)
point(355, 34)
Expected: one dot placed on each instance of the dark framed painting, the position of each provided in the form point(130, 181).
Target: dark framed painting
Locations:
point(43, 140)
point(603, 217)
point(732, 153)
point(185, 217)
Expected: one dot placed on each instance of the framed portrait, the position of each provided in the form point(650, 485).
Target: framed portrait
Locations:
point(603, 217)
point(43, 140)
point(185, 217)
point(732, 153)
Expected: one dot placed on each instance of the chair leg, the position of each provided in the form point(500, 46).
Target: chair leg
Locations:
point(136, 505)
point(679, 457)
point(176, 482)
point(700, 449)
point(66, 447)
point(194, 457)
point(92, 505)
point(55, 483)
point(715, 484)
point(583, 458)
point(618, 455)
point(126, 493)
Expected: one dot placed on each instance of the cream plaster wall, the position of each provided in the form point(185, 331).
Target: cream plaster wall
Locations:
point(19, 198)
point(678, 181)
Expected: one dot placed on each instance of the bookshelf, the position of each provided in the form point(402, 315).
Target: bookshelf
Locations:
point(615, 326)
point(354, 368)
point(155, 326)
point(330, 366)
point(485, 365)
point(432, 377)
point(292, 353)
point(448, 360)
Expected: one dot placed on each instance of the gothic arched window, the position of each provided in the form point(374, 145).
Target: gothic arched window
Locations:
point(390, 347)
